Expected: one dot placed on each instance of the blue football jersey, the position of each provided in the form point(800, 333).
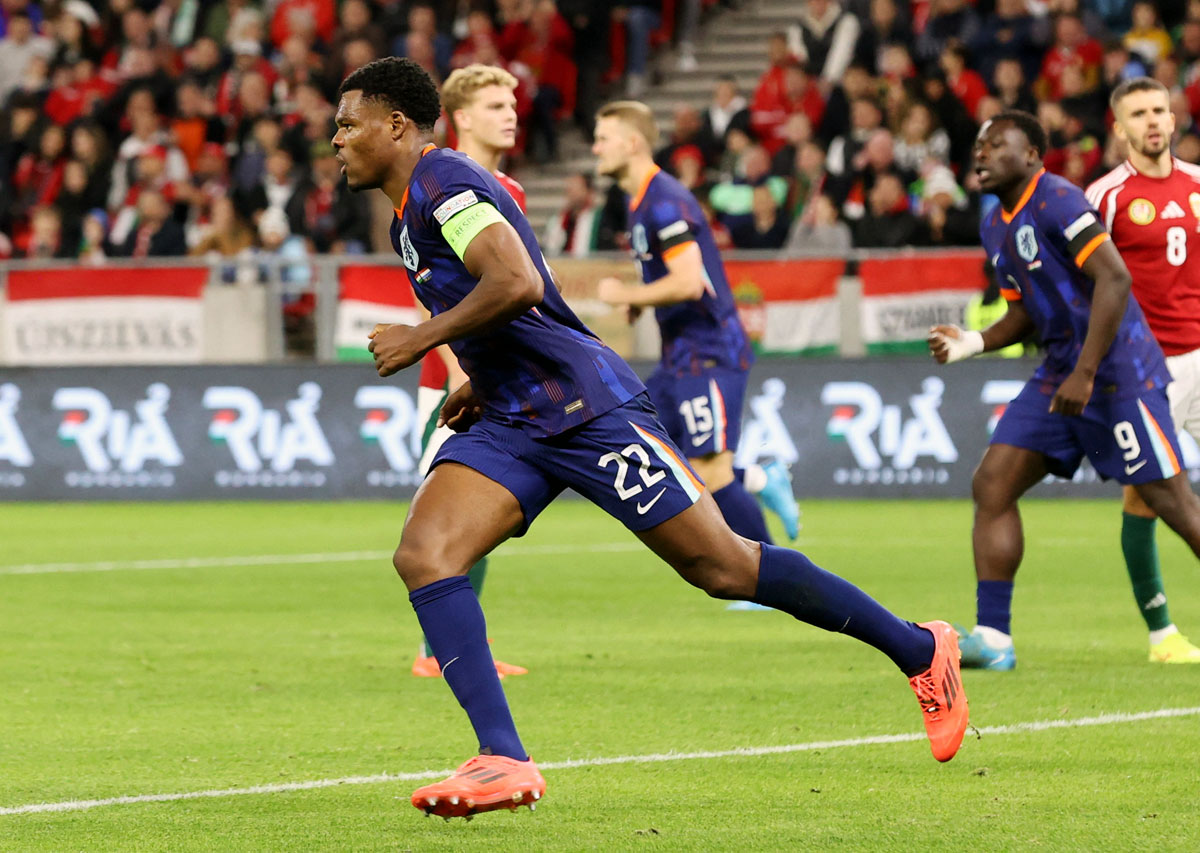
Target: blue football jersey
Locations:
point(706, 332)
point(1037, 250)
point(545, 371)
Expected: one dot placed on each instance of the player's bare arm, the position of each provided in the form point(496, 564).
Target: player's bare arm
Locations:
point(508, 287)
point(1109, 298)
point(684, 282)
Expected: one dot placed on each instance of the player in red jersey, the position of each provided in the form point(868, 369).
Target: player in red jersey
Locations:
point(482, 105)
point(1151, 206)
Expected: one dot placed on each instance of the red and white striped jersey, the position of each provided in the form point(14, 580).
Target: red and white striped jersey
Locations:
point(1155, 224)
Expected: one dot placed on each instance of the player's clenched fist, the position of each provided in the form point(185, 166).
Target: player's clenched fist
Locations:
point(461, 409)
point(611, 290)
point(395, 347)
point(950, 343)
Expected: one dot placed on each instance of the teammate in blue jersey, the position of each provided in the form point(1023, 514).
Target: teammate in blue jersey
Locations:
point(1101, 390)
point(548, 407)
point(700, 384)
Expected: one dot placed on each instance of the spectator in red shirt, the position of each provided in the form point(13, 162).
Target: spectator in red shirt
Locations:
point(966, 84)
point(303, 16)
point(39, 175)
point(195, 122)
point(1072, 46)
point(45, 239)
point(247, 63)
point(772, 105)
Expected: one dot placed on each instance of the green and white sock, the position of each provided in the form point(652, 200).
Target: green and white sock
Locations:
point(1141, 560)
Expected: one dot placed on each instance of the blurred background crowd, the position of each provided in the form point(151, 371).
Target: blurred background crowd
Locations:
point(173, 127)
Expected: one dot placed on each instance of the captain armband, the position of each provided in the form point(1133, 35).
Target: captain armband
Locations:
point(464, 226)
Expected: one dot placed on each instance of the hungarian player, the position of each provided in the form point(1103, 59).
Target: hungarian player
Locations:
point(1100, 392)
point(1151, 206)
point(548, 407)
point(700, 383)
point(481, 103)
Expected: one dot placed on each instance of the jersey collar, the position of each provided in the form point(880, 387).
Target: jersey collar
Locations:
point(641, 193)
point(1024, 199)
point(404, 199)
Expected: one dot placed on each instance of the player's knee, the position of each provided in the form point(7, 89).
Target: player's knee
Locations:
point(987, 490)
point(416, 566)
point(726, 579)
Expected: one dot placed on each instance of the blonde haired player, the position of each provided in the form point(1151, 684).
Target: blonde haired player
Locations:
point(481, 103)
point(1151, 206)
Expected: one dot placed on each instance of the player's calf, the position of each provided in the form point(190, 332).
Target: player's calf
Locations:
point(1177, 505)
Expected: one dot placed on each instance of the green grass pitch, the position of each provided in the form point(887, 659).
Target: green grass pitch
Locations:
point(157, 678)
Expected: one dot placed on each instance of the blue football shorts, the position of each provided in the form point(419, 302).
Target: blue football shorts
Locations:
point(702, 413)
point(622, 461)
point(1130, 440)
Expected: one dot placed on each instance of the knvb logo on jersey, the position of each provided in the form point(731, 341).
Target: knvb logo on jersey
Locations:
point(391, 423)
point(14, 449)
point(765, 436)
point(886, 445)
point(266, 448)
point(407, 251)
point(119, 450)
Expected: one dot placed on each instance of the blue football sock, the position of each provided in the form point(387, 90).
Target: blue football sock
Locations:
point(993, 605)
point(742, 512)
point(789, 581)
point(453, 623)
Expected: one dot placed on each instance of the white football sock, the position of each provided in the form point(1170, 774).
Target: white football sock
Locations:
point(1161, 634)
point(754, 479)
point(993, 638)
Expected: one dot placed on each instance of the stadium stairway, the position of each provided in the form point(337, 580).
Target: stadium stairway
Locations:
point(731, 41)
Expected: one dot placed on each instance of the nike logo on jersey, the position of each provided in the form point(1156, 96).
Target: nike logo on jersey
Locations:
point(642, 510)
point(1133, 469)
point(700, 439)
point(1172, 211)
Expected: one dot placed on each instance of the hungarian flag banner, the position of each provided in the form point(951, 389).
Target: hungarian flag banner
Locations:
point(92, 315)
point(903, 297)
point(371, 294)
point(789, 307)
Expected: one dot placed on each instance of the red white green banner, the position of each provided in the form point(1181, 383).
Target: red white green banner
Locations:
point(371, 294)
point(91, 316)
point(789, 307)
point(903, 297)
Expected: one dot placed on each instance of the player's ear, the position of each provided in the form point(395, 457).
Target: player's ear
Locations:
point(399, 122)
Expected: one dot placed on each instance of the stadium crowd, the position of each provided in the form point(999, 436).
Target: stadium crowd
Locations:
point(859, 133)
point(168, 127)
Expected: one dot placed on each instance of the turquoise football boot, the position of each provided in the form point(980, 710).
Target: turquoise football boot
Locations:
point(976, 654)
point(777, 496)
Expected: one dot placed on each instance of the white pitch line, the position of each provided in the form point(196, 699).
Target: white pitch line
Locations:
point(287, 559)
point(652, 758)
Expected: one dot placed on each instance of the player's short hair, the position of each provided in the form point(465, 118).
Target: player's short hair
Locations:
point(462, 84)
point(402, 85)
point(1136, 84)
point(1028, 124)
point(635, 114)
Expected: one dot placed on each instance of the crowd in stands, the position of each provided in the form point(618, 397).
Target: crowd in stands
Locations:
point(172, 127)
point(859, 132)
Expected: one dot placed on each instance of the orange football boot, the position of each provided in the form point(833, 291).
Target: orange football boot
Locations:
point(939, 690)
point(504, 669)
point(483, 784)
point(426, 666)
